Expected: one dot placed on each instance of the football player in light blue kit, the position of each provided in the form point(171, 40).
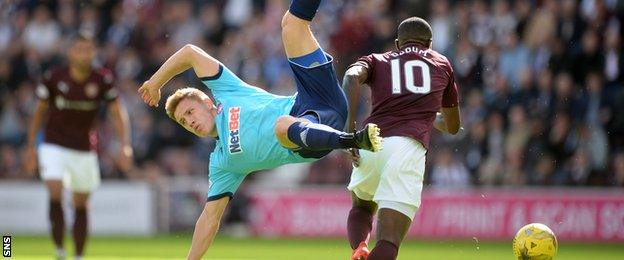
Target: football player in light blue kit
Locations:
point(256, 130)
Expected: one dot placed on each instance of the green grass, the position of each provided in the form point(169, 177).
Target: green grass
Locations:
point(176, 246)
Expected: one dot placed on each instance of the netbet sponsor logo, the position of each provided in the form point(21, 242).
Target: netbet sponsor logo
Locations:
point(234, 126)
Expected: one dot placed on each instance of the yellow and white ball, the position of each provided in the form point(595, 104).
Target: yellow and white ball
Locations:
point(535, 241)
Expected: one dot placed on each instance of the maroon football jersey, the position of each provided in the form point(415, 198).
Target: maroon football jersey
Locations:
point(408, 87)
point(73, 106)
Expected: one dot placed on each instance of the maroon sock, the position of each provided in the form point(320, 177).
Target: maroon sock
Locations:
point(359, 225)
point(57, 223)
point(80, 230)
point(384, 250)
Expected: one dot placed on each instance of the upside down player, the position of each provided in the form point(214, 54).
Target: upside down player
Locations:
point(69, 99)
point(255, 129)
point(408, 87)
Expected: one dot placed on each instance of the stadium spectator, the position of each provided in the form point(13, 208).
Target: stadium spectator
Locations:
point(449, 172)
point(617, 177)
point(42, 34)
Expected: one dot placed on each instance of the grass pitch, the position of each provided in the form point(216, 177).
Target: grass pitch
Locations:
point(176, 247)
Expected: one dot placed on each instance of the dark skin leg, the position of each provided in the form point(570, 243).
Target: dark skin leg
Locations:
point(57, 221)
point(392, 226)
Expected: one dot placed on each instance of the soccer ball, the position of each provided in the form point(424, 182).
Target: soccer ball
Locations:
point(535, 241)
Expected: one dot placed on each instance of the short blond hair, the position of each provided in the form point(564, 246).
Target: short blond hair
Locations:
point(174, 100)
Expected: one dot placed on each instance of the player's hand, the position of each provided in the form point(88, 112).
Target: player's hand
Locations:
point(125, 159)
point(30, 161)
point(150, 93)
point(354, 154)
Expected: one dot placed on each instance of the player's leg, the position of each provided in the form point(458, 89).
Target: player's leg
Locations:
point(359, 226)
point(57, 219)
point(398, 194)
point(363, 186)
point(392, 226)
point(51, 164)
point(84, 178)
point(79, 230)
point(316, 81)
point(296, 33)
point(306, 132)
point(360, 220)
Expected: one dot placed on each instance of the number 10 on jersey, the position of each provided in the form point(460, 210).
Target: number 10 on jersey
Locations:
point(408, 72)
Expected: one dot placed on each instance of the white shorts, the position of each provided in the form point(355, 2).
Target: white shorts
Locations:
point(79, 170)
point(392, 177)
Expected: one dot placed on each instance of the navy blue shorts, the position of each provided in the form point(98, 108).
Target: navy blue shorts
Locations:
point(319, 93)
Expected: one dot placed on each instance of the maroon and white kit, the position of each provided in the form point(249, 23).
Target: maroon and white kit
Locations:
point(408, 88)
point(70, 139)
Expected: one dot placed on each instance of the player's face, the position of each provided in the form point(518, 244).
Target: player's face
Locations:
point(196, 116)
point(82, 53)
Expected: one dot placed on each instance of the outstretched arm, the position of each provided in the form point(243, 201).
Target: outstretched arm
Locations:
point(352, 81)
point(206, 227)
point(189, 56)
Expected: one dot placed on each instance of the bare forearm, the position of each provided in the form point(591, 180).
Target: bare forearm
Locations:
point(121, 122)
point(206, 227)
point(36, 122)
point(176, 64)
point(352, 87)
point(353, 79)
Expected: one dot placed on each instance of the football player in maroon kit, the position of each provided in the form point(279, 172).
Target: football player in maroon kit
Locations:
point(413, 89)
point(69, 99)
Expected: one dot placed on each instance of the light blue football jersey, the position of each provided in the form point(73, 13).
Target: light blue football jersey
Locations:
point(246, 127)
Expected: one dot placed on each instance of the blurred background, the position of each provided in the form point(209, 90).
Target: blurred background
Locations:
point(541, 93)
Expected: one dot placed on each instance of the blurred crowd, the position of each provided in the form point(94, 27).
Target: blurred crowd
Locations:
point(541, 82)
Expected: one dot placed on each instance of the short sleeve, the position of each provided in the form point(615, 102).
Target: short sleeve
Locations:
point(44, 86)
point(224, 81)
point(223, 183)
point(366, 62)
point(110, 91)
point(450, 98)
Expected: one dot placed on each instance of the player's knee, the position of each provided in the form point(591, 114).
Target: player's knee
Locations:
point(367, 205)
point(56, 197)
point(81, 205)
point(81, 200)
point(282, 124)
point(55, 191)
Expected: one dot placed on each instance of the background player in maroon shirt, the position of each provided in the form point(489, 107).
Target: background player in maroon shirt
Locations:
point(69, 99)
point(409, 87)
